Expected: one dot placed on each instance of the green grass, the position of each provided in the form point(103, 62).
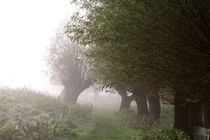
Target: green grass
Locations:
point(29, 115)
point(108, 127)
point(24, 104)
point(72, 123)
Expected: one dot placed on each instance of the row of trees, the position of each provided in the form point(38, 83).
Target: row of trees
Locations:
point(69, 69)
point(156, 50)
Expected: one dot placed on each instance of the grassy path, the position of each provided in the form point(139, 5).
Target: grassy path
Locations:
point(106, 126)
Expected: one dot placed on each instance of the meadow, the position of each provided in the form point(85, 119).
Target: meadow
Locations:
point(30, 115)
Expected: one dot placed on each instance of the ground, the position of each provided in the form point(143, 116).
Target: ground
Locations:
point(28, 115)
point(106, 126)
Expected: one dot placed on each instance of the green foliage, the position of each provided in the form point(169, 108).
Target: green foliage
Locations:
point(22, 104)
point(160, 131)
point(29, 115)
point(43, 128)
point(9, 132)
point(160, 44)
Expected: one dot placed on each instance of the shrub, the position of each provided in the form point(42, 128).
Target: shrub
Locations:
point(160, 130)
point(41, 128)
point(9, 132)
point(28, 115)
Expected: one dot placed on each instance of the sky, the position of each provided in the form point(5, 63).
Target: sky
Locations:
point(26, 30)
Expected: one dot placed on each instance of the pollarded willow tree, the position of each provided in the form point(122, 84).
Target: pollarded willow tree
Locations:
point(161, 45)
point(67, 67)
point(113, 50)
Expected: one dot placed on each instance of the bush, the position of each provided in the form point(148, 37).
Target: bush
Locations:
point(9, 132)
point(41, 128)
point(27, 115)
point(160, 130)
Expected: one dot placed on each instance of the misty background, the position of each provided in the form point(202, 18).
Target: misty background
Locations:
point(27, 27)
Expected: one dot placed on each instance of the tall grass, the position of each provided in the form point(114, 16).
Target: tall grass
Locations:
point(160, 130)
point(30, 115)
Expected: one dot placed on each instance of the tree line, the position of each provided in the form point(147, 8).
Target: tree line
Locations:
point(158, 50)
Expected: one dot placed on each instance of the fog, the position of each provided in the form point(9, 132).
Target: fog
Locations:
point(99, 98)
point(104, 99)
point(27, 28)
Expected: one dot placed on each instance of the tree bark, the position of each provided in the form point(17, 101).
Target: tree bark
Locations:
point(206, 113)
point(72, 92)
point(142, 108)
point(154, 107)
point(194, 117)
point(125, 103)
point(187, 115)
point(126, 100)
point(181, 109)
point(180, 117)
point(71, 95)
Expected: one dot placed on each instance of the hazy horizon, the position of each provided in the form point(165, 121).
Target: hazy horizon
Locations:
point(27, 27)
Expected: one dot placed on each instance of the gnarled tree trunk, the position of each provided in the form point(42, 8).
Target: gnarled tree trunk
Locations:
point(141, 102)
point(72, 92)
point(154, 107)
point(187, 115)
point(126, 100)
point(125, 103)
point(194, 117)
point(71, 95)
point(180, 117)
point(206, 113)
point(181, 109)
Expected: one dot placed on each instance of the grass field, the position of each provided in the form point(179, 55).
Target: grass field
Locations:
point(29, 115)
point(26, 115)
point(108, 127)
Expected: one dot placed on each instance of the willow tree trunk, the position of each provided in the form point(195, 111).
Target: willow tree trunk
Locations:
point(71, 95)
point(72, 92)
point(187, 116)
point(206, 113)
point(125, 103)
point(126, 100)
point(141, 102)
point(180, 117)
point(180, 112)
point(154, 107)
point(195, 115)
